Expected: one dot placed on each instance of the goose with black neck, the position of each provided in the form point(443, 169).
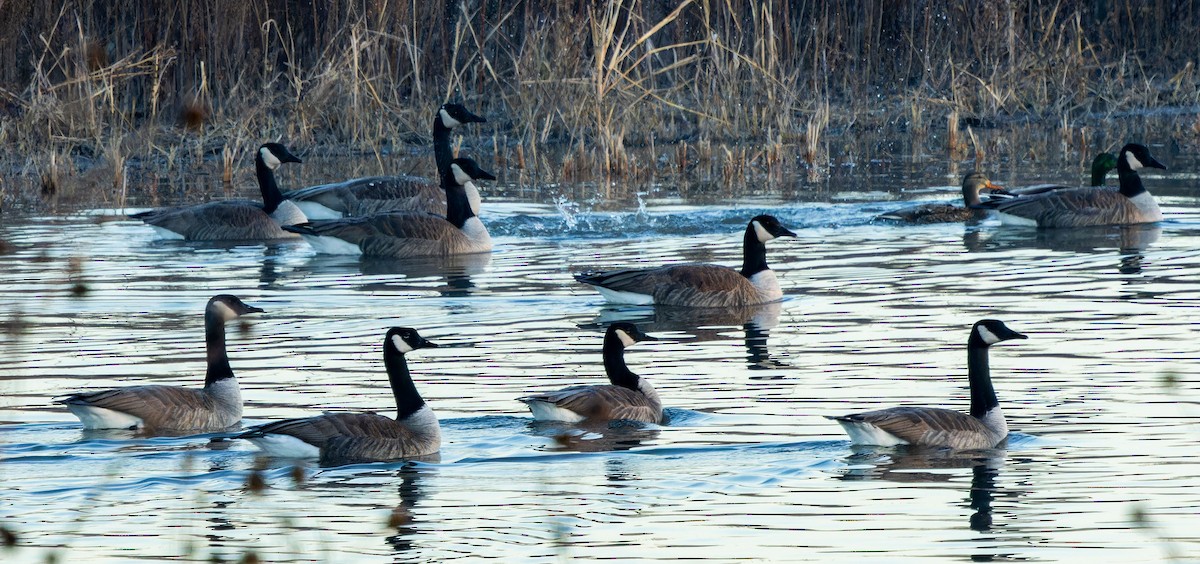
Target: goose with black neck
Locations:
point(235, 220)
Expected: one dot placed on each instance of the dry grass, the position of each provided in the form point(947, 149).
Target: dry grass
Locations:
point(153, 93)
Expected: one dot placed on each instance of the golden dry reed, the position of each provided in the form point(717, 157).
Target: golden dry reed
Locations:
point(145, 90)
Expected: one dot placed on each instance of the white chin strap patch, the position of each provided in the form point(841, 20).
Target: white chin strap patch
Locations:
point(269, 158)
point(625, 338)
point(763, 235)
point(1133, 162)
point(224, 311)
point(401, 345)
point(447, 120)
point(460, 176)
point(987, 336)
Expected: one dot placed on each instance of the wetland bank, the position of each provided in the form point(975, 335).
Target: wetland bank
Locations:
point(622, 133)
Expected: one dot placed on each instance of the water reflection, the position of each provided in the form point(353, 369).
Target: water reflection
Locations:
point(403, 517)
point(1130, 241)
point(706, 324)
point(1126, 239)
point(449, 276)
point(608, 436)
point(919, 465)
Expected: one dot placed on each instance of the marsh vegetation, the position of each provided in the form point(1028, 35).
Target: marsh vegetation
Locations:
point(142, 101)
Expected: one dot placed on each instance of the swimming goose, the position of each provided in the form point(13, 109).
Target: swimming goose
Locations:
point(697, 284)
point(344, 438)
point(629, 397)
point(984, 427)
point(365, 196)
point(216, 406)
point(401, 234)
point(972, 184)
point(1080, 207)
point(234, 219)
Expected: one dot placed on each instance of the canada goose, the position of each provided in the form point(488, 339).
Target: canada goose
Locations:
point(365, 196)
point(1101, 165)
point(400, 234)
point(629, 397)
point(216, 406)
point(344, 438)
point(1080, 207)
point(234, 219)
point(698, 284)
point(972, 184)
point(984, 427)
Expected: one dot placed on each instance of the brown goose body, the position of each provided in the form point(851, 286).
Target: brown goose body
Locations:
point(216, 406)
point(365, 196)
point(698, 284)
point(628, 397)
point(409, 234)
point(217, 221)
point(603, 403)
point(369, 195)
point(928, 426)
point(234, 219)
point(397, 235)
point(691, 284)
point(345, 438)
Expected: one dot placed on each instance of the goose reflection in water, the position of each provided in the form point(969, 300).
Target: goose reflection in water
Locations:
point(926, 465)
point(607, 436)
point(1130, 241)
point(450, 276)
point(707, 324)
point(403, 520)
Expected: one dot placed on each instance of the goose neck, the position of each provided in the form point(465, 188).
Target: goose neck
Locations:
point(271, 195)
point(214, 341)
point(754, 253)
point(408, 399)
point(983, 394)
point(442, 155)
point(1131, 182)
point(614, 364)
point(458, 205)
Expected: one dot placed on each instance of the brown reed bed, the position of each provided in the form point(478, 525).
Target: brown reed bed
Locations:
point(138, 102)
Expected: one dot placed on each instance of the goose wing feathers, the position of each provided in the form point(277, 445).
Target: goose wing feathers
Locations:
point(684, 284)
point(393, 234)
point(602, 403)
point(319, 431)
point(1072, 207)
point(929, 426)
point(352, 450)
point(160, 407)
point(365, 196)
point(235, 219)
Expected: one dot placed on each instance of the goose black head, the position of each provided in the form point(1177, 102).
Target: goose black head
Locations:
point(453, 115)
point(406, 339)
point(628, 333)
point(1135, 157)
point(229, 307)
point(767, 227)
point(275, 154)
point(466, 170)
point(987, 332)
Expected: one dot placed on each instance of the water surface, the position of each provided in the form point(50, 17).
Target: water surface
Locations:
point(1101, 397)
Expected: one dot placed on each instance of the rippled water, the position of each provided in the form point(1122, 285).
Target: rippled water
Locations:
point(1102, 398)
